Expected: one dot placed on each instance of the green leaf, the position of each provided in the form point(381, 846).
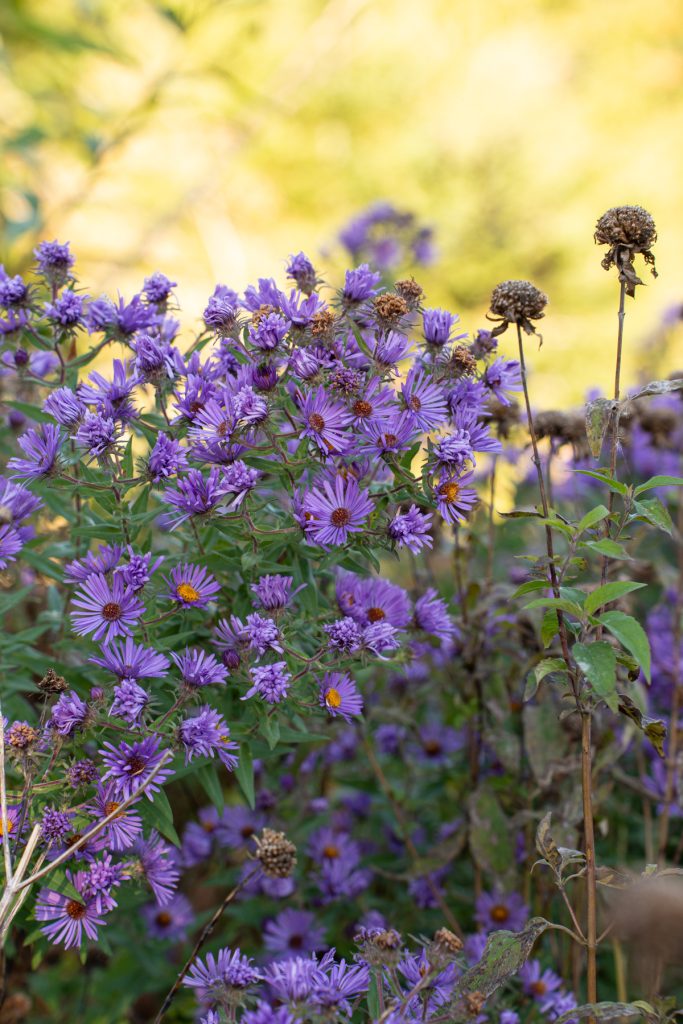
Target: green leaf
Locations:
point(561, 603)
point(659, 481)
point(159, 814)
point(208, 777)
point(549, 627)
point(605, 478)
point(505, 952)
point(654, 728)
point(244, 773)
point(655, 512)
point(609, 592)
point(606, 1011)
point(543, 669)
point(631, 635)
point(530, 586)
point(598, 662)
point(271, 730)
point(490, 834)
point(596, 515)
point(607, 547)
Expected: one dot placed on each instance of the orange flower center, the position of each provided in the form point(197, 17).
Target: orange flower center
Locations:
point(75, 910)
point(111, 611)
point(331, 852)
point(376, 614)
point(362, 408)
point(500, 913)
point(340, 517)
point(449, 491)
point(10, 827)
point(187, 592)
point(333, 698)
point(316, 422)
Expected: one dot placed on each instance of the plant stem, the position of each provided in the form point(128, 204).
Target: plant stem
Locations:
point(206, 931)
point(672, 753)
point(589, 842)
point(3, 805)
point(614, 437)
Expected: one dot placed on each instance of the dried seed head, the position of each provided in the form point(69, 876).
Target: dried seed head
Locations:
point(409, 290)
point(20, 735)
point(462, 363)
point(322, 324)
point(517, 302)
point(390, 309)
point(627, 230)
point(263, 311)
point(659, 422)
point(276, 853)
point(380, 946)
point(52, 683)
point(474, 1002)
point(505, 417)
point(443, 948)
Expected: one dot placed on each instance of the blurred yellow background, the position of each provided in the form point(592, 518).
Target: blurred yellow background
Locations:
point(211, 138)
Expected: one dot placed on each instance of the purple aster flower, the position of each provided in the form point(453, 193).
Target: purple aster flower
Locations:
point(55, 825)
point(102, 563)
point(266, 294)
point(167, 458)
point(501, 376)
point(41, 447)
point(121, 319)
point(437, 743)
point(343, 635)
point(68, 714)
point(467, 394)
point(195, 495)
point(13, 290)
point(269, 331)
point(198, 668)
point(390, 436)
point(340, 986)
point(390, 349)
point(326, 422)
point(496, 910)
point(204, 734)
point(262, 634)
point(65, 406)
point(425, 402)
point(158, 866)
point(337, 879)
point(99, 435)
point(431, 615)
point(14, 816)
point(67, 310)
point(170, 922)
point(198, 837)
point(293, 931)
point(54, 262)
point(81, 773)
point(10, 545)
point(455, 500)
point(375, 404)
point(157, 287)
point(129, 702)
point(237, 826)
point(239, 479)
point(68, 918)
point(411, 529)
point(372, 600)
point(558, 1004)
point(129, 661)
point(452, 453)
point(14, 322)
point(191, 585)
point(273, 592)
point(437, 325)
point(339, 696)
point(103, 877)
point(105, 610)
point(156, 359)
point(333, 512)
point(221, 310)
point(292, 980)
point(17, 503)
point(537, 982)
point(130, 765)
point(467, 422)
point(438, 989)
point(508, 1017)
point(223, 978)
point(301, 270)
point(359, 284)
point(138, 572)
point(380, 637)
point(125, 828)
point(270, 682)
point(230, 638)
point(484, 344)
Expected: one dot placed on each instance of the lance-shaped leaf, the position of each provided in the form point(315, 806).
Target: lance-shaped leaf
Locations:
point(598, 662)
point(598, 414)
point(609, 592)
point(545, 844)
point(504, 954)
point(654, 512)
point(631, 635)
point(657, 387)
point(607, 1011)
point(654, 728)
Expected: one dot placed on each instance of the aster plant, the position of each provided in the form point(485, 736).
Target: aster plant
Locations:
point(265, 652)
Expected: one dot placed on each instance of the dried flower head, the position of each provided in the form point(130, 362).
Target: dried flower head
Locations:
point(474, 1001)
point(504, 417)
point(461, 363)
point(380, 947)
point(390, 309)
point(409, 290)
point(52, 683)
point(21, 735)
point(627, 230)
point(447, 942)
point(276, 853)
point(322, 324)
point(516, 302)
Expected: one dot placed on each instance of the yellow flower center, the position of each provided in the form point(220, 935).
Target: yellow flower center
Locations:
point(500, 913)
point(333, 698)
point(449, 491)
point(331, 852)
point(10, 827)
point(187, 592)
